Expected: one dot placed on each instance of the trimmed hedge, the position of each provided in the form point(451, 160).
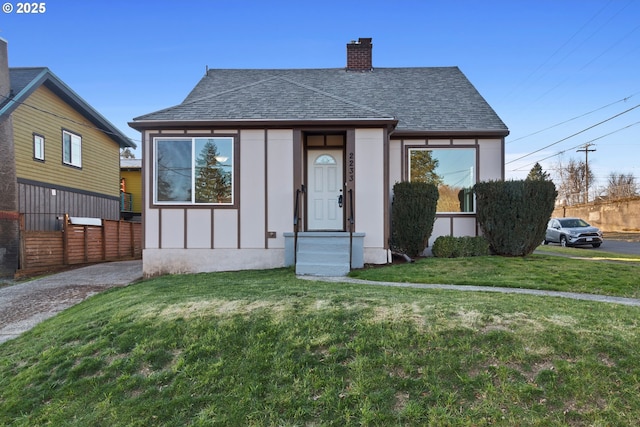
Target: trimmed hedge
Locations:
point(413, 213)
point(454, 247)
point(513, 215)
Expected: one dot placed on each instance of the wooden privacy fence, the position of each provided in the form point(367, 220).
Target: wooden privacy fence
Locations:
point(80, 244)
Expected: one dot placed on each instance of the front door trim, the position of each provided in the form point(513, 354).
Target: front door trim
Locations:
point(325, 184)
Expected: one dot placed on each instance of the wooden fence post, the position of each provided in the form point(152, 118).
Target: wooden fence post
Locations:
point(86, 243)
point(65, 240)
point(104, 240)
point(22, 253)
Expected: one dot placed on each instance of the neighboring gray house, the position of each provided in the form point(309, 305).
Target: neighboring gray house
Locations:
point(261, 168)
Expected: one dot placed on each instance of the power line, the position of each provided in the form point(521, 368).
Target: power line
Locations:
point(574, 118)
point(58, 116)
point(572, 148)
point(583, 42)
point(560, 48)
point(575, 134)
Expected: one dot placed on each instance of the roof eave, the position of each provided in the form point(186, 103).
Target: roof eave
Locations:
point(57, 86)
point(486, 133)
point(142, 125)
point(73, 99)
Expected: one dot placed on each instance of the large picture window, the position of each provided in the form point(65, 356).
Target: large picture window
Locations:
point(193, 170)
point(453, 170)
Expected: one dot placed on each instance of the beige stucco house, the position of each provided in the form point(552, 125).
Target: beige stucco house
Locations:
point(262, 168)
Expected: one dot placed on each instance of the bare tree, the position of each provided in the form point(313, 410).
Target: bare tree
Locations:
point(621, 186)
point(572, 182)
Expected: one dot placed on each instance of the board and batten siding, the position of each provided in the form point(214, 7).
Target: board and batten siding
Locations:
point(100, 171)
point(182, 239)
point(490, 166)
point(369, 193)
point(44, 207)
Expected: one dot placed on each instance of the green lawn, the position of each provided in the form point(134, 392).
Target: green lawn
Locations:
point(554, 269)
point(263, 348)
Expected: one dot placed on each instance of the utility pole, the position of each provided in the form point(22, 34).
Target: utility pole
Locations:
point(586, 169)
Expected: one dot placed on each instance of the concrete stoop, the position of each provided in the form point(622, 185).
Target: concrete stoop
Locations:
point(324, 253)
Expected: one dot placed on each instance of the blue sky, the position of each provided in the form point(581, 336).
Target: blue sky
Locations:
point(552, 69)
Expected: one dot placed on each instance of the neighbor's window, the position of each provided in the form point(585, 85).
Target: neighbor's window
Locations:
point(193, 170)
point(453, 170)
point(38, 147)
point(71, 149)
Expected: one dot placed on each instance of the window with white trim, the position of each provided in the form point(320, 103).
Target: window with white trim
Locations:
point(71, 149)
point(38, 147)
point(453, 170)
point(193, 170)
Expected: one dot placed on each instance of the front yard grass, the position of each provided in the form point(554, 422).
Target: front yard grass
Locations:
point(563, 269)
point(263, 348)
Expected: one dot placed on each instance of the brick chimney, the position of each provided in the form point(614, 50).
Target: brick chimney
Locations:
point(359, 55)
point(5, 85)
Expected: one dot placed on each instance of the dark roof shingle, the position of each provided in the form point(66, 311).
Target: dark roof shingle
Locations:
point(421, 99)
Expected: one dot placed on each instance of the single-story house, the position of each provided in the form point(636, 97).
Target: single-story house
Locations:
point(263, 168)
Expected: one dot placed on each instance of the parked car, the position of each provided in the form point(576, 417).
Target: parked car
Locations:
point(572, 232)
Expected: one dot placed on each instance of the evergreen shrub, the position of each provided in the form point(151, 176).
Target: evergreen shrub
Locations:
point(454, 247)
point(413, 213)
point(513, 215)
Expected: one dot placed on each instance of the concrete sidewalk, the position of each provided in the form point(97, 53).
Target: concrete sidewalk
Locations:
point(470, 288)
point(24, 305)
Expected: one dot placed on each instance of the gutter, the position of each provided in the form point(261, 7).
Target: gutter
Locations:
point(260, 123)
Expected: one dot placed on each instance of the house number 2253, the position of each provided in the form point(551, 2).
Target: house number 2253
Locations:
point(352, 167)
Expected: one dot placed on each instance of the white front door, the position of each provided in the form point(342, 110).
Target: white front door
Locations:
point(325, 197)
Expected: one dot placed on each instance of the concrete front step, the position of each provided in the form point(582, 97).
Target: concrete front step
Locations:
point(324, 253)
point(313, 268)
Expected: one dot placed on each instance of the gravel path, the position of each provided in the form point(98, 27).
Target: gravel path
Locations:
point(25, 304)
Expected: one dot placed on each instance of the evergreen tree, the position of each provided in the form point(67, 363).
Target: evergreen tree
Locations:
point(164, 187)
point(423, 167)
point(213, 183)
point(538, 174)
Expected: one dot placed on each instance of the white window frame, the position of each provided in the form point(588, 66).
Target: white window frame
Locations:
point(75, 149)
point(38, 147)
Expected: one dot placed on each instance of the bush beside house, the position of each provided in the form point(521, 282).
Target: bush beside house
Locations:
point(465, 246)
point(413, 213)
point(513, 215)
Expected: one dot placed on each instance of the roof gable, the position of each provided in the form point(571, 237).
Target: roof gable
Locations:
point(286, 99)
point(24, 81)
